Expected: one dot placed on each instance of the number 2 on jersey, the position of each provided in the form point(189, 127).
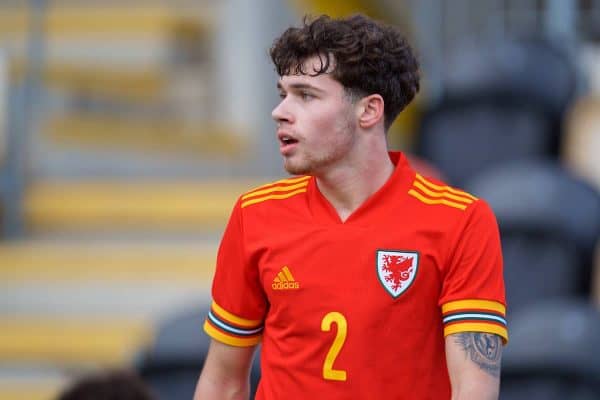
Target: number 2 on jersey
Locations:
point(338, 319)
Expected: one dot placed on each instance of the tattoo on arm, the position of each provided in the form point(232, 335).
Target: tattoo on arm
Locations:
point(484, 349)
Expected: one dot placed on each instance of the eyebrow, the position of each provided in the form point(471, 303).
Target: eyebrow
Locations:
point(299, 86)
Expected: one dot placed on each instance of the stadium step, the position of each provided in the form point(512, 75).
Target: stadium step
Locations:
point(109, 19)
point(140, 84)
point(70, 341)
point(77, 304)
point(30, 390)
point(121, 205)
point(31, 383)
point(140, 278)
point(147, 134)
point(130, 261)
point(81, 301)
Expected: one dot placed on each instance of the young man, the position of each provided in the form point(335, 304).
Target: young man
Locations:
point(361, 278)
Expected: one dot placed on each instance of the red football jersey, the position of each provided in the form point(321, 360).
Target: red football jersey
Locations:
point(357, 309)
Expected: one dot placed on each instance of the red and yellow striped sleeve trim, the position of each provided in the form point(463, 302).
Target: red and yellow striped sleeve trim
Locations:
point(430, 193)
point(475, 316)
point(230, 329)
point(227, 316)
point(282, 189)
point(228, 339)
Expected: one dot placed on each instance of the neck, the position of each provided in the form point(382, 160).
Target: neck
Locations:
point(350, 185)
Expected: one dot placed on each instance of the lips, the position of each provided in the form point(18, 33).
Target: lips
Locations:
point(286, 142)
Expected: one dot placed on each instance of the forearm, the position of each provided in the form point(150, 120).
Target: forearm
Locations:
point(475, 391)
point(226, 373)
point(209, 388)
point(474, 365)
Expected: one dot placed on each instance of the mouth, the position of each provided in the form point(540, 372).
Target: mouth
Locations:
point(286, 143)
point(287, 140)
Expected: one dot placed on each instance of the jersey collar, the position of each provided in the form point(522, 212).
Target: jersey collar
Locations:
point(393, 190)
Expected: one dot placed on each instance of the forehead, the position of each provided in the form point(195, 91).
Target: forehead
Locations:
point(323, 81)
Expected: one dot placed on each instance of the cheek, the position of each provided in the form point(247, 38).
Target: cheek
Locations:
point(328, 118)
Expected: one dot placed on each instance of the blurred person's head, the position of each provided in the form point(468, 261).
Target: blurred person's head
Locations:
point(365, 56)
point(108, 385)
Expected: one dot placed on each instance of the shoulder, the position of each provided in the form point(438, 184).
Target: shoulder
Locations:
point(436, 196)
point(274, 194)
point(437, 202)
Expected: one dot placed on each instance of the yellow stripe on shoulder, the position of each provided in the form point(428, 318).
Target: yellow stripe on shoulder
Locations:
point(429, 201)
point(439, 188)
point(430, 193)
point(424, 190)
point(281, 182)
point(280, 196)
point(274, 189)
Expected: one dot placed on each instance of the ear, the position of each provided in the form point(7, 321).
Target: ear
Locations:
point(370, 111)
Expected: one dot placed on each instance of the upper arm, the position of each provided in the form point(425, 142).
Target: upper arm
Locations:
point(226, 372)
point(473, 360)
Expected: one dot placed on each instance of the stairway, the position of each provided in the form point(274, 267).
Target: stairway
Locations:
point(108, 252)
point(103, 262)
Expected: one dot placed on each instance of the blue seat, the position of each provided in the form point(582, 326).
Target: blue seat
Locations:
point(532, 67)
point(549, 225)
point(502, 100)
point(553, 352)
point(463, 135)
point(172, 365)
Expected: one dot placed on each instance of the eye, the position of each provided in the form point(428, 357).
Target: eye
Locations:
point(307, 95)
point(282, 95)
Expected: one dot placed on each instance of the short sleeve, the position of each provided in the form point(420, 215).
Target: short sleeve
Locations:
point(236, 316)
point(473, 294)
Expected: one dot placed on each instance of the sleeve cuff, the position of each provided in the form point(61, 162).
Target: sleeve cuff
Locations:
point(230, 329)
point(475, 316)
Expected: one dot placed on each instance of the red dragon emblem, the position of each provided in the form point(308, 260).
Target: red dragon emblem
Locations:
point(397, 268)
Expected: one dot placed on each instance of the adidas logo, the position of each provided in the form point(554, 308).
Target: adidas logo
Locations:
point(285, 280)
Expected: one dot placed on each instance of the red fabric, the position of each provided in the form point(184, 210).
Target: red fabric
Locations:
point(394, 347)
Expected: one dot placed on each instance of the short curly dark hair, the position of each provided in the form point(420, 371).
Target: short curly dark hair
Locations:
point(368, 57)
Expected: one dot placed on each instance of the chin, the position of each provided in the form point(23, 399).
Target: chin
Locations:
point(295, 169)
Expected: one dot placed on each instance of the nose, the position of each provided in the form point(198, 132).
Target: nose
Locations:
point(281, 112)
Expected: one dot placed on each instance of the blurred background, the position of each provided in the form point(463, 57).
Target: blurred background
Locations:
point(128, 128)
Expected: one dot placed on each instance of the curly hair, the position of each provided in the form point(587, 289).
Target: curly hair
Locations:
point(366, 57)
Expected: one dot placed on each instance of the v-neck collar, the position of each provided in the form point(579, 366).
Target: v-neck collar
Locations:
point(399, 182)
